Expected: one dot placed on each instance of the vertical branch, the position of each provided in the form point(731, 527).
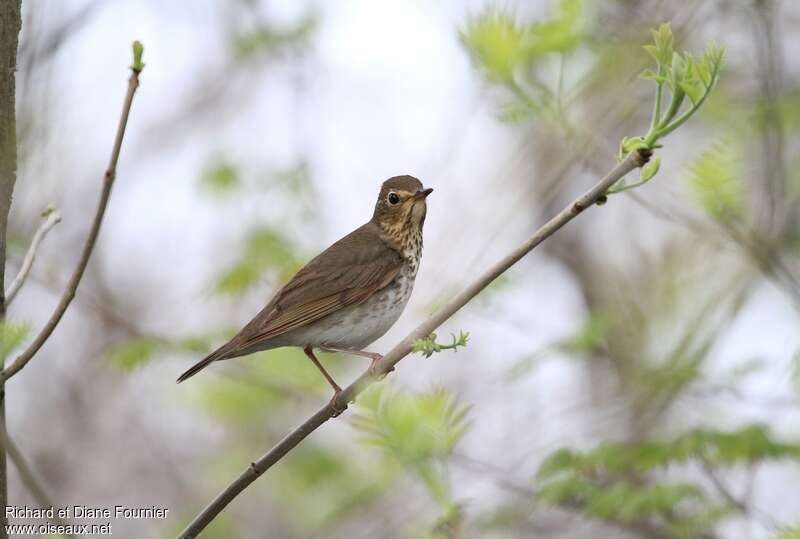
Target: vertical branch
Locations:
point(769, 69)
point(28, 478)
point(10, 24)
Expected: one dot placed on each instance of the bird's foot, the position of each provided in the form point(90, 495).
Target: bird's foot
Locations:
point(337, 410)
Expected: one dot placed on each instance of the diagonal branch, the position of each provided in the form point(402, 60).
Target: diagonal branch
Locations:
point(634, 160)
point(50, 218)
point(28, 478)
point(94, 231)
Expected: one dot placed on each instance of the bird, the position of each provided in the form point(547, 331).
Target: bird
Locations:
point(349, 295)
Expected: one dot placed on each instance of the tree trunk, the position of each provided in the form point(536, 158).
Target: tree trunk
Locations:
point(10, 23)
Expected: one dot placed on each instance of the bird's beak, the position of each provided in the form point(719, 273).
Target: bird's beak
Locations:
point(423, 193)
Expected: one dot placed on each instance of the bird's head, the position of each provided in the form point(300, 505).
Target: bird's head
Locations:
point(401, 208)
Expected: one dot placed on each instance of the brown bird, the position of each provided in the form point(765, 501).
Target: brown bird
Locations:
point(350, 294)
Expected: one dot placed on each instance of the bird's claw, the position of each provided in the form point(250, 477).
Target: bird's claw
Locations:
point(372, 367)
point(337, 411)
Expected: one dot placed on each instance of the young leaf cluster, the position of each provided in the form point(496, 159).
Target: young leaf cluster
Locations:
point(419, 431)
point(508, 52)
point(501, 47)
point(681, 76)
point(684, 76)
point(428, 347)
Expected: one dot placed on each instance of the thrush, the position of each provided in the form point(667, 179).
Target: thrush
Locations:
point(350, 294)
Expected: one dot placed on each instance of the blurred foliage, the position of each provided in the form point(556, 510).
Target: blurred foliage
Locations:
point(267, 249)
point(221, 176)
point(502, 48)
point(588, 338)
point(328, 483)
point(263, 383)
point(509, 53)
point(138, 351)
point(717, 183)
point(418, 431)
point(267, 38)
point(788, 533)
point(621, 481)
point(654, 347)
point(133, 353)
point(222, 527)
point(11, 336)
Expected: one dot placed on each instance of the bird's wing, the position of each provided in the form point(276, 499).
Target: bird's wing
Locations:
point(346, 273)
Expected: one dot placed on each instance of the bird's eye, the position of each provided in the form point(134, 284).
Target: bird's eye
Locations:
point(393, 198)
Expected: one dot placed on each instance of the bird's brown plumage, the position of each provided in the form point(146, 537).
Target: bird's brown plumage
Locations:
point(347, 272)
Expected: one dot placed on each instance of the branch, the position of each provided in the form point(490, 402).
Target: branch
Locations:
point(633, 160)
point(28, 478)
point(50, 218)
point(88, 247)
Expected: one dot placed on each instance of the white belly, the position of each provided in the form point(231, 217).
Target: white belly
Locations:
point(357, 326)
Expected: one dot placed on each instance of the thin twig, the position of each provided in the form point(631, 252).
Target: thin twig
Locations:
point(403, 348)
point(50, 218)
point(29, 479)
point(88, 247)
point(740, 504)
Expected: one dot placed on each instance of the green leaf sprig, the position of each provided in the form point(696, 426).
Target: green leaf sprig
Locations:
point(683, 76)
point(428, 347)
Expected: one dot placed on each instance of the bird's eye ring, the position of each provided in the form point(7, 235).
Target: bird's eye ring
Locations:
point(393, 198)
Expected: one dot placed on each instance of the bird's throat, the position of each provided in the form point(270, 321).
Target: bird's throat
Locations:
point(405, 237)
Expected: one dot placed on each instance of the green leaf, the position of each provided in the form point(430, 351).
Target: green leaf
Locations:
point(417, 430)
point(221, 176)
point(717, 185)
point(271, 39)
point(266, 249)
point(678, 69)
point(590, 335)
point(413, 427)
point(703, 71)
point(199, 345)
point(11, 336)
point(649, 74)
point(501, 46)
point(647, 172)
point(560, 34)
point(557, 462)
point(495, 42)
point(662, 48)
point(694, 92)
point(133, 353)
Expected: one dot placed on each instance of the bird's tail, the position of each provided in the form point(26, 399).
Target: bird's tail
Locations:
point(218, 354)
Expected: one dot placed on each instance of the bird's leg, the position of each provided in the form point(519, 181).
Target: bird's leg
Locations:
point(336, 389)
point(374, 356)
